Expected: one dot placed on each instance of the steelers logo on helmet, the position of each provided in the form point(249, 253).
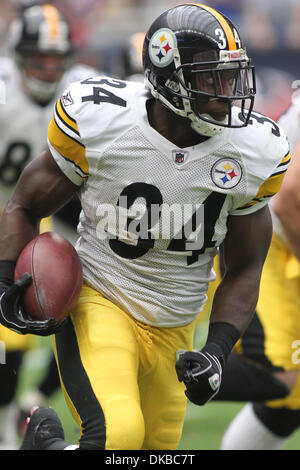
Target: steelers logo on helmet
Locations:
point(226, 173)
point(161, 47)
point(190, 43)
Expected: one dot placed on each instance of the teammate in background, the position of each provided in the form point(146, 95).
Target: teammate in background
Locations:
point(182, 145)
point(40, 67)
point(130, 65)
point(266, 360)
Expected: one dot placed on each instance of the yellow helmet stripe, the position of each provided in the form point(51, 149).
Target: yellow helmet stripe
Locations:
point(225, 25)
point(52, 17)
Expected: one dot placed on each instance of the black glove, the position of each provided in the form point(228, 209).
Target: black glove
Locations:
point(201, 372)
point(12, 315)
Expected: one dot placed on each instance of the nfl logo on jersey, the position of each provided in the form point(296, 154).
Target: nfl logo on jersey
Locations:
point(179, 156)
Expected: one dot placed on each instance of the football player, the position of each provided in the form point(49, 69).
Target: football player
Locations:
point(267, 356)
point(40, 65)
point(165, 174)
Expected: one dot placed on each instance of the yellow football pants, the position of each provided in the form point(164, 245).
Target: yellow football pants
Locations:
point(118, 376)
point(278, 312)
point(278, 309)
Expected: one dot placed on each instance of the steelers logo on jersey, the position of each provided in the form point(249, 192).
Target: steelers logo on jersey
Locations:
point(161, 47)
point(226, 173)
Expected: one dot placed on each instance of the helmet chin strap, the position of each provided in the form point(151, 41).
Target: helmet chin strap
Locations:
point(203, 127)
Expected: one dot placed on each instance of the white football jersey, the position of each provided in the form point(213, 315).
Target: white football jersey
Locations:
point(290, 122)
point(153, 215)
point(24, 123)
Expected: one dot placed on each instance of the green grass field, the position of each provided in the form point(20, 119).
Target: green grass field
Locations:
point(203, 428)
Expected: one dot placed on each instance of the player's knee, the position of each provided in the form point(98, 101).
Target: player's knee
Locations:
point(125, 427)
point(162, 440)
point(165, 428)
point(122, 429)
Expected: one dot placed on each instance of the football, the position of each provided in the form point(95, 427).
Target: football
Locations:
point(56, 273)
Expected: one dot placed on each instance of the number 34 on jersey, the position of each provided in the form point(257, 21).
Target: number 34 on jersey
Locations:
point(152, 211)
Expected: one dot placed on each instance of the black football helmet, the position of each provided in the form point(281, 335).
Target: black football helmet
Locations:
point(193, 54)
point(41, 30)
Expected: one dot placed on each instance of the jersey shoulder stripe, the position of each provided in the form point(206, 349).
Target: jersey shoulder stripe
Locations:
point(69, 148)
point(285, 161)
point(66, 129)
point(64, 117)
point(271, 186)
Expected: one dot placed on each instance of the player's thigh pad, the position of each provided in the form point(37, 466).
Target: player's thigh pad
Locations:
point(162, 396)
point(98, 362)
point(118, 382)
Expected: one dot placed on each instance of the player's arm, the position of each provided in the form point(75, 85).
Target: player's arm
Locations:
point(45, 185)
point(41, 190)
point(286, 203)
point(245, 249)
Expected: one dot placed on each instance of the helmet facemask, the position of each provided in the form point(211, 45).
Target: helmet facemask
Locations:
point(229, 79)
point(193, 56)
point(42, 89)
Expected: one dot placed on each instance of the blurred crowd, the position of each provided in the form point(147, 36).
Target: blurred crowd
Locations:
point(102, 30)
point(266, 24)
